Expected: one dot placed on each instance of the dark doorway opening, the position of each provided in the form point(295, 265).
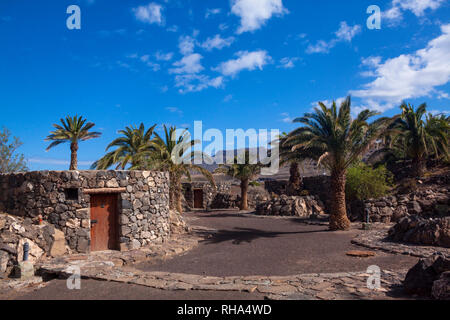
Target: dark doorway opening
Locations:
point(198, 199)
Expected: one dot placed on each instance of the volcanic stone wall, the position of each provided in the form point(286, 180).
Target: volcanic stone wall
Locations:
point(63, 199)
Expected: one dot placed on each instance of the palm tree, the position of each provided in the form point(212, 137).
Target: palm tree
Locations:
point(72, 130)
point(412, 137)
point(244, 171)
point(174, 155)
point(336, 141)
point(294, 159)
point(133, 148)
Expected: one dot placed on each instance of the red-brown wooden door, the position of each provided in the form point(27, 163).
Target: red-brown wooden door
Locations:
point(104, 222)
point(198, 198)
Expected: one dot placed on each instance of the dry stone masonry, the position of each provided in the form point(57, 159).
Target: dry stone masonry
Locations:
point(303, 207)
point(62, 198)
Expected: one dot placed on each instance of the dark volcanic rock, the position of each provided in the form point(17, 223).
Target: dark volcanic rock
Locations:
point(420, 279)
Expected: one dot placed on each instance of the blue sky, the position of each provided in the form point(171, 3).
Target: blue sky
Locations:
point(232, 64)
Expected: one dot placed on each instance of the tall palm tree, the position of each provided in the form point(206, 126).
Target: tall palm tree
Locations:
point(244, 171)
point(417, 136)
point(72, 130)
point(132, 148)
point(174, 155)
point(335, 140)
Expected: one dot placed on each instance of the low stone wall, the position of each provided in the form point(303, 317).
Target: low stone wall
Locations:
point(63, 199)
point(304, 207)
point(318, 186)
point(431, 202)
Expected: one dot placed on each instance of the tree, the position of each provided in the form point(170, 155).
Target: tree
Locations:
point(416, 138)
point(72, 130)
point(244, 171)
point(336, 141)
point(174, 155)
point(133, 148)
point(10, 160)
point(294, 159)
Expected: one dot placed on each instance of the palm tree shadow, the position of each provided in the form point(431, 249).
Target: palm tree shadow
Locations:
point(245, 235)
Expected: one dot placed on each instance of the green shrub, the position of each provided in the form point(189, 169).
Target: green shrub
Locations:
point(365, 182)
point(255, 184)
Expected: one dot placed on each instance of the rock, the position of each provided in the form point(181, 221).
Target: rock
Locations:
point(300, 206)
point(35, 252)
point(4, 259)
point(420, 278)
point(441, 287)
point(59, 244)
point(24, 270)
point(414, 229)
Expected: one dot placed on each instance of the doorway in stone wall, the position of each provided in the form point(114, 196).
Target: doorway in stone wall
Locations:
point(104, 222)
point(198, 199)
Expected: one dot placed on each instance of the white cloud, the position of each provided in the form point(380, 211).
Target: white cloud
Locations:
point(255, 13)
point(418, 7)
point(345, 33)
point(217, 42)
point(188, 65)
point(172, 29)
point(174, 110)
point(288, 63)
point(151, 13)
point(211, 12)
point(186, 44)
point(409, 76)
point(245, 61)
point(163, 56)
point(286, 118)
point(196, 83)
point(223, 26)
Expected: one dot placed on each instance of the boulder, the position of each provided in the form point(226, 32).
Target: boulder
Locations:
point(420, 278)
point(59, 244)
point(441, 287)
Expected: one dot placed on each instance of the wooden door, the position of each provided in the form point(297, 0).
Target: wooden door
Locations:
point(104, 222)
point(198, 199)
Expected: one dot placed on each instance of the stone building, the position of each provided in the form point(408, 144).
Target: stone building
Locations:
point(96, 210)
point(202, 195)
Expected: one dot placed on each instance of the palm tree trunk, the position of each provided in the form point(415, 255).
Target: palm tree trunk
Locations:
point(338, 216)
point(74, 156)
point(418, 167)
point(244, 194)
point(295, 180)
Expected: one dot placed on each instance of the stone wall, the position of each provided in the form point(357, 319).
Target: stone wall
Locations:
point(63, 199)
point(214, 198)
point(316, 186)
point(299, 206)
point(426, 202)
